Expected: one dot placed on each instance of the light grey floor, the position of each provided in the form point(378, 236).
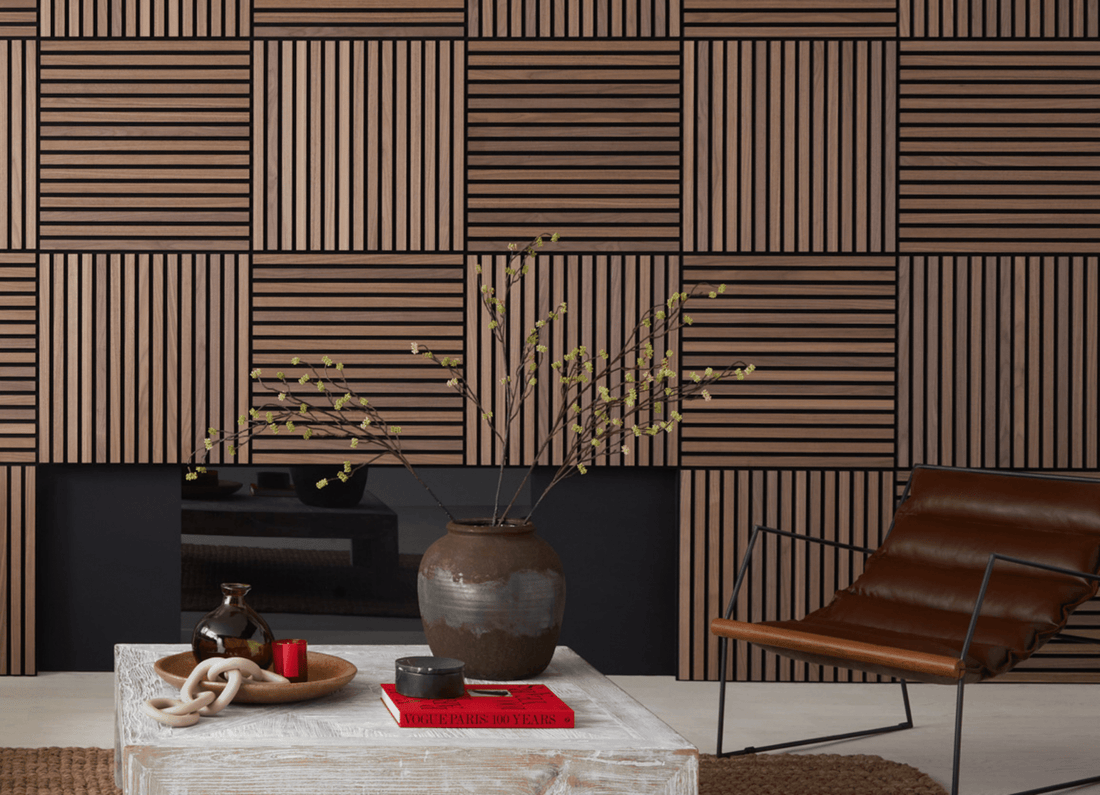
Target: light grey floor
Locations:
point(1017, 736)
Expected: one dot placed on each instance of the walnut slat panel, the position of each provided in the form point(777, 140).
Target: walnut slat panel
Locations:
point(576, 137)
point(364, 310)
point(606, 295)
point(139, 354)
point(787, 579)
point(146, 18)
point(359, 145)
point(17, 570)
point(999, 19)
point(790, 19)
point(19, 19)
point(18, 144)
point(145, 145)
point(821, 332)
point(998, 145)
point(577, 19)
point(789, 146)
point(361, 19)
point(18, 343)
point(998, 362)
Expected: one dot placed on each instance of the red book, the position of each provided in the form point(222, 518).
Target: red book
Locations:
point(483, 707)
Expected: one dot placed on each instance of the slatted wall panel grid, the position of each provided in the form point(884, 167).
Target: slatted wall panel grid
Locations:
point(574, 18)
point(821, 331)
point(145, 145)
point(17, 358)
point(363, 310)
point(789, 146)
point(361, 19)
point(359, 145)
point(19, 19)
point(998, 363)
point(999, 19)
point(606, 296)
point(146, 18)
point(576, 137)
point(17, 570)
point(790, 19)
point(999, 146)
point(788, 578)
point(18, 144)
point(139, 354)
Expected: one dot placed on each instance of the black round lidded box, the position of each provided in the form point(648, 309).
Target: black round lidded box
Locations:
point(430, 677)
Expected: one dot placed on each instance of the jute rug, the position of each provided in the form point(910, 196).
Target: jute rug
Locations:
point(90, 771)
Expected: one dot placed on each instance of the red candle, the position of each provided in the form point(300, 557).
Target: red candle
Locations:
point(290, 659)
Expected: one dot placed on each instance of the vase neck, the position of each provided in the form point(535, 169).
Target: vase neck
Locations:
point(233, 593)
point(486, 527)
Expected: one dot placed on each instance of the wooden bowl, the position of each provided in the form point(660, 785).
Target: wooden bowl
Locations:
point(327, 674)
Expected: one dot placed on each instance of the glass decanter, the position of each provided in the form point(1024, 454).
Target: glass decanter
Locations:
point(233, 629)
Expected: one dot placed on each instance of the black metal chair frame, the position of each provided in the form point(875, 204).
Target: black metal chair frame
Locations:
point(723, 643)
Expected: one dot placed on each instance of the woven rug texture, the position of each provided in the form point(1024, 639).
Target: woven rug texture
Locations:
point(90, 771)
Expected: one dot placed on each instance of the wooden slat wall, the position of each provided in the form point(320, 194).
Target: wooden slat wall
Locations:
point(145, 145)
point(359, 145)
point(19, 19)
point(790, 19)
point(17, 570)
point(138, 354)
point(821, 332)
point(146, 18)
point(17, 358)
point(790, 146)
point(998, 146)
point(18, 144)
point(557, 145)
point(718, 509)
point(364, 310)
point(997, 19)
point(575, 18)
point(605, 295)
point(361, 19)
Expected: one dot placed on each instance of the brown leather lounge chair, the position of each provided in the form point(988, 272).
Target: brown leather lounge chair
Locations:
point(978, 570)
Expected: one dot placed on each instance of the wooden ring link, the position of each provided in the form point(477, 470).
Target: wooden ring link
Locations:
point(195, 702)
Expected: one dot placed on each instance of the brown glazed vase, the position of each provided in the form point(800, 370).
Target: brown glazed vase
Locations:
point(493, 597)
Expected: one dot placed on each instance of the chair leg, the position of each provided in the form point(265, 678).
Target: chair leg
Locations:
point(907, 724)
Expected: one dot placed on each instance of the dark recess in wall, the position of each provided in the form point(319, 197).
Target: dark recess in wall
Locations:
point(108, 563)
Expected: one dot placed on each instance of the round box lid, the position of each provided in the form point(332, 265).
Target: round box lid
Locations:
point(430, 665)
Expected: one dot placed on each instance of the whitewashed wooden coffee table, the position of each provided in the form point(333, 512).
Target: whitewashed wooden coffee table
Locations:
point(347, 743)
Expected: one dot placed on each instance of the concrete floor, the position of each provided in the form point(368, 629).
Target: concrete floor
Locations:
point(1017, 736)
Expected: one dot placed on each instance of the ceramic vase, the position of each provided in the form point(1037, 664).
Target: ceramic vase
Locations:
point(233, 629)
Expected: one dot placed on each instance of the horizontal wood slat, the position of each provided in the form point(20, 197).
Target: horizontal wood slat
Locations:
point(789, 146)
point(605, 295)
point(361, 19)
point(19, 19)
point(150, 130)
point(18, 144)
point(575, 18)
point(546, 147)
point(18, 368)
point(364, 310)
point(788, 579)
point(139, 354)
point(359, 145)
point(998, 363)
point(821, 332)
point(983, 169)
point(146, 18)
point(17, 571)
point(999, 19)
point(790, 19)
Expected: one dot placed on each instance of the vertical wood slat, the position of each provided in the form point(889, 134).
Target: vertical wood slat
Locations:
point(18, 143)
point(582, 18)
point(1003, 371)
point(555, 145)
point(998, 144)
point(748, 106)
point(364, 311)
point(137, 374)
point(999, 19)
point(17, 570)
point(147, 18)
point(333, 168)
point(786, 579)
point(18, 350)
point(821, 331)
point(591, 287)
